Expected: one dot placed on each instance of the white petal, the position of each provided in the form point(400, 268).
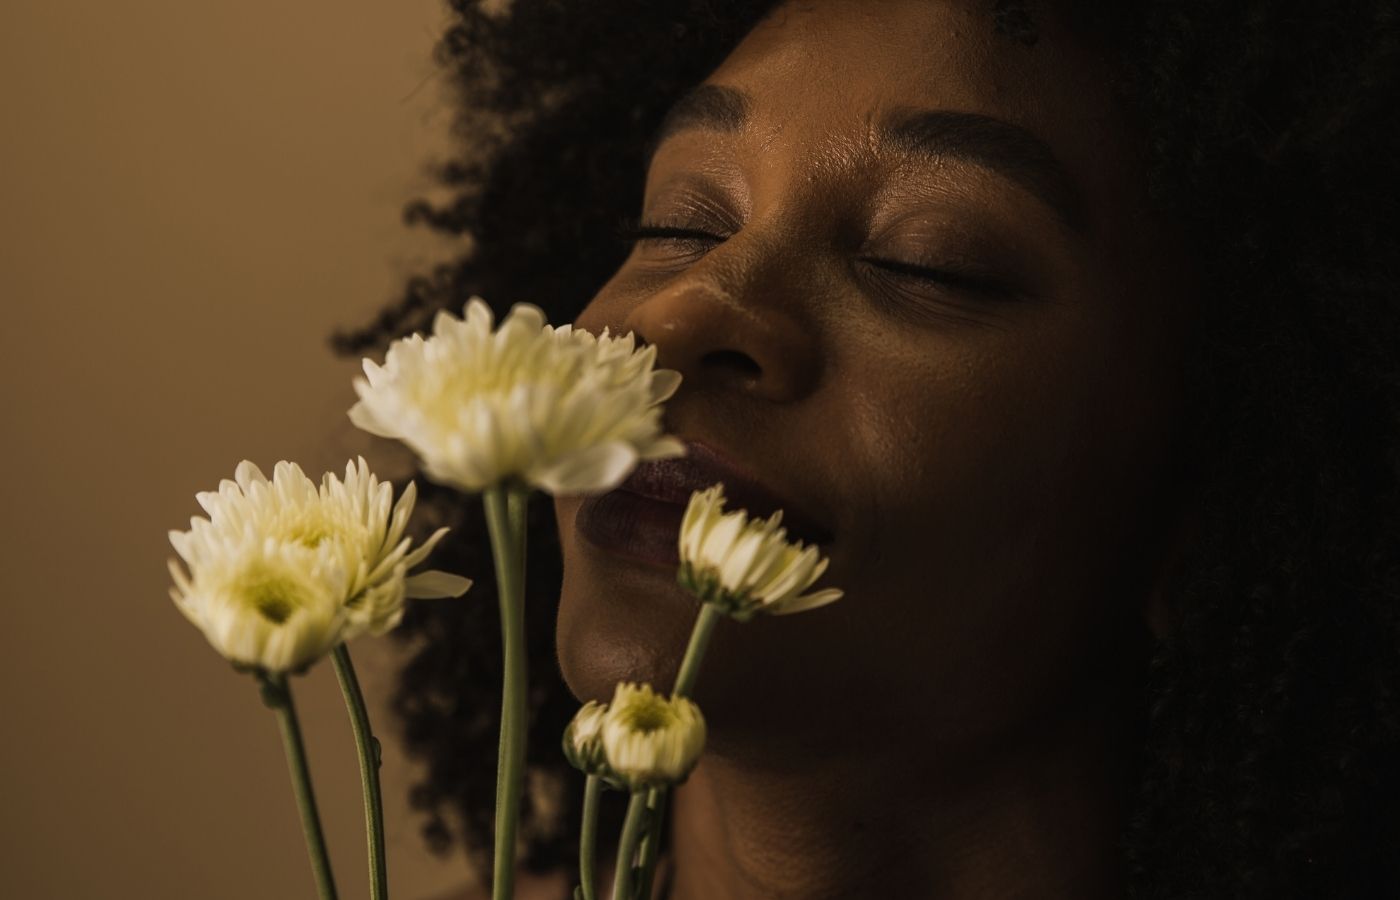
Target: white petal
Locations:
point(801, 570)
point(434, 584)
point(664, 383)
point(182, 581)
point(593, 470)
point(664, 448)
point(247, 473)
point(811, 601)
point(720, 539)
point(402, 510)
point(364, 419)
point(526, 315)
point(425, 548)
point(739, 562)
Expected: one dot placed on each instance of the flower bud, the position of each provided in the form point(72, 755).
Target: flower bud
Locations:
point(746, 566)
point(583, 739)
point(651, 740)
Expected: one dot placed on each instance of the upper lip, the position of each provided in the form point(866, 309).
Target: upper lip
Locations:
point(674, 479)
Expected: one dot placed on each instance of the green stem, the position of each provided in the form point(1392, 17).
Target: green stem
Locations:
point(685, 683)
point(627, 845)
point(368, 746)
point(277, 696)
point(695, 652)
point(588, 841)
point(651, 842)
point(505, 518)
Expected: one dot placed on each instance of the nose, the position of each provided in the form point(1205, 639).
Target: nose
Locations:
point(720, 340)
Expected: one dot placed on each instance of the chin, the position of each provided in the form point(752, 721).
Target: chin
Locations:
point(621, 619)
point(596, 653)
point(618, 620)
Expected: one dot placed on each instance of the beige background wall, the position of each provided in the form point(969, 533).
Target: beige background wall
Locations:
point(192, 195)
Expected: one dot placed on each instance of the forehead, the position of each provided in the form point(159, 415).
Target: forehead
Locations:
point(865, 53)
point(823, 75)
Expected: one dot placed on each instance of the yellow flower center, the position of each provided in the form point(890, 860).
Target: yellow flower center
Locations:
point(272, 595)
point(308, 527)
point(648, 714)
point(309, 536)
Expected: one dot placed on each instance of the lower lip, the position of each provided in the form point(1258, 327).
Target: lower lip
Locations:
point(633, 526)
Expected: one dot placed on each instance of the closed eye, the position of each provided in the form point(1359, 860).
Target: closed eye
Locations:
point(633, 232)
point(942, 277)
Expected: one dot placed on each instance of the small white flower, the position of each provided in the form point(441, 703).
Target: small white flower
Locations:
point(555, 408)
point(264, 604)
point(583, 738)
point(282, 571)
point(651, 740)
point(746, 566)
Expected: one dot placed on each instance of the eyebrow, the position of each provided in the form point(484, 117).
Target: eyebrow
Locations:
point(1008, 150)
point(709, 106)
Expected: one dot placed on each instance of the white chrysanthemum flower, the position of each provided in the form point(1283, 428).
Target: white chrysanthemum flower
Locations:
point(746, 566)
point(555, 408)
point(282, 571)
point(583, 738)
point(650, 740)
point(262, 603)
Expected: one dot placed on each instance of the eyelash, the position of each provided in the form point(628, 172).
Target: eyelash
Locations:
point(633, 231)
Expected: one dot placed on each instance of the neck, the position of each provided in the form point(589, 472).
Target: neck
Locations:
point(1041, 820)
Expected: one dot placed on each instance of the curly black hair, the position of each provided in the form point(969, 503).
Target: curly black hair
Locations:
point(1271, 759)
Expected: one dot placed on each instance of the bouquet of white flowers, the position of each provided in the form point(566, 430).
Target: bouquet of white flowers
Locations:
point(284, 572)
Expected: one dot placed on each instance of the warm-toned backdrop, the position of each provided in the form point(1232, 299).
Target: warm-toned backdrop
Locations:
point(192, 195)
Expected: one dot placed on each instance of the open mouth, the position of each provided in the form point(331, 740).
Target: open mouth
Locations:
point(643, 529)
point(641, 518)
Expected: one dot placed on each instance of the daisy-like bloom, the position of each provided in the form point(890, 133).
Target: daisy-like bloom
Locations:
point(554, 408)
point(283, 570)
point(746, 566)
point(651, 740)
point(583, 738)
point(262, 604)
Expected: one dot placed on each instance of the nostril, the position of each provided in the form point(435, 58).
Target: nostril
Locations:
point(735, 360)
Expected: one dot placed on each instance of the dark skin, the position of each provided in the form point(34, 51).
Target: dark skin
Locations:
point(989, 443)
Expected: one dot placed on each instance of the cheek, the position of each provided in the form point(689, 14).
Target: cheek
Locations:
point(1010, 479)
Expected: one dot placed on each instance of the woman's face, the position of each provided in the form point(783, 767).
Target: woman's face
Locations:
point(921, 298)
